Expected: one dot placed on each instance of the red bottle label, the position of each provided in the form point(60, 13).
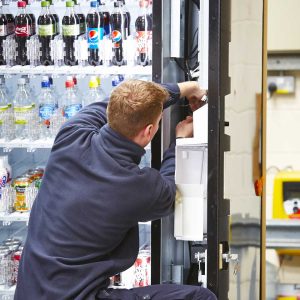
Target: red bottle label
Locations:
point(22, 30)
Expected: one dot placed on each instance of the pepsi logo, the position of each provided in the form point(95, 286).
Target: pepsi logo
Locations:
point(116, 36)
point(93, 35)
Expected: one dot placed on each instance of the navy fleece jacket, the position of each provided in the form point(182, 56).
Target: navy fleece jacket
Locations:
point(83, 226)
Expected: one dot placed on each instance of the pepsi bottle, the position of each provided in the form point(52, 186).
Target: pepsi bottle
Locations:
point(81, 16)
point(70, 33)
point(143, 26)
point(22, 33)
point(3, 33)
point(118, 21)
point(106, 17)
point(95, 30)
point(46, 33)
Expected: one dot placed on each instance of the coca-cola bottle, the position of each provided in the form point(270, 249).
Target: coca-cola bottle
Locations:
point(81, 16)
point(10, 17)
point(22, 33)
point(32, 16)
point(94, 21)
point(3, 33)
point(106, 17)
point(70, 33)
point(143, 26)
point(46, 33)
point(118, 21)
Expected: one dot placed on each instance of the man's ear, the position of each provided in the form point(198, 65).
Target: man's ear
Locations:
point(148, 132)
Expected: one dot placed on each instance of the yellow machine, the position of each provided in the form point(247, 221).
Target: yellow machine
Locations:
point(286, 195)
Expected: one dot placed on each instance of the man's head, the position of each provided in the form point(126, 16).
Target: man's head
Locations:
point(135, 108)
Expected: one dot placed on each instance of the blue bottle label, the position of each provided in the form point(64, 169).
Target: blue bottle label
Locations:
point(94, 36)
point(71, 110)
point(46, 111)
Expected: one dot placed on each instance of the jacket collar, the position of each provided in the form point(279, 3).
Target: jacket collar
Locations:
point(120, 147)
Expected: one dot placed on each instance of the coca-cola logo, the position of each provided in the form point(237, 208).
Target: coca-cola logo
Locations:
point(24, 30)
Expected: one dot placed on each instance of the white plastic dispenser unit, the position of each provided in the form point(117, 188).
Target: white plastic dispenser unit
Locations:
point(191, 181)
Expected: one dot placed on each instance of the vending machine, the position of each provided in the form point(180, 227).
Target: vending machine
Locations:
point(159, 40)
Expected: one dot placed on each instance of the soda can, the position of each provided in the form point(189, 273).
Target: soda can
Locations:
point(16, 262)
point(142, 269)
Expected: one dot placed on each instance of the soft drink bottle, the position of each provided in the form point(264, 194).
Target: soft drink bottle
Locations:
point(32, 16)
point(70, 32)
point(22, 33)
point(106, 17)
point(71, 103)
point(81, 16)
point(128, 21)
point(10, 18)
point(6, 115)
point(24, 110)
point(143, 26)
point(95, 30)
point(47, 108)
point(55, 15)
point(118, 21)
point(3, 33)
point(46, 33)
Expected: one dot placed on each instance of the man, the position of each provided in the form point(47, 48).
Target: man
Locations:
point(83, 227)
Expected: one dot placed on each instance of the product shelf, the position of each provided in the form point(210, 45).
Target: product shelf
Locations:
point(16, 216)
point(77, 70)
point(7, 293)
point(25, 143)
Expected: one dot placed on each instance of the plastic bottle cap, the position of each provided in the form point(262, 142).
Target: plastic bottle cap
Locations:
point(45, 84)
point(21, 81)
point(45, 4)
point(69, 83)
point(94, 4)
point(21, 4)
point(69, 4)
point(99, 80)
point(93, 83)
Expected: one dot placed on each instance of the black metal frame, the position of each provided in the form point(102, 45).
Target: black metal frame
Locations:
point(218, 86)
point(156, 143)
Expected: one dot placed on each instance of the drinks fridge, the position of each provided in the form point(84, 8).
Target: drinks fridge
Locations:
point(62, 51)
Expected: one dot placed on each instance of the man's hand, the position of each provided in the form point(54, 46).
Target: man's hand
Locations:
point(184, 129)
point(193, 93)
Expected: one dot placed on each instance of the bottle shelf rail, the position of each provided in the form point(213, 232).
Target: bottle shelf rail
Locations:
point(78, 70)
point(27, 144)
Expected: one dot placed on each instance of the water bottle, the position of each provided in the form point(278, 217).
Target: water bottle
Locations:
point(116, 80)
point(71, 103)
point(24, 111)
point(100, 90)
point(93, 94)
point(47, 108)
point(6, 115)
